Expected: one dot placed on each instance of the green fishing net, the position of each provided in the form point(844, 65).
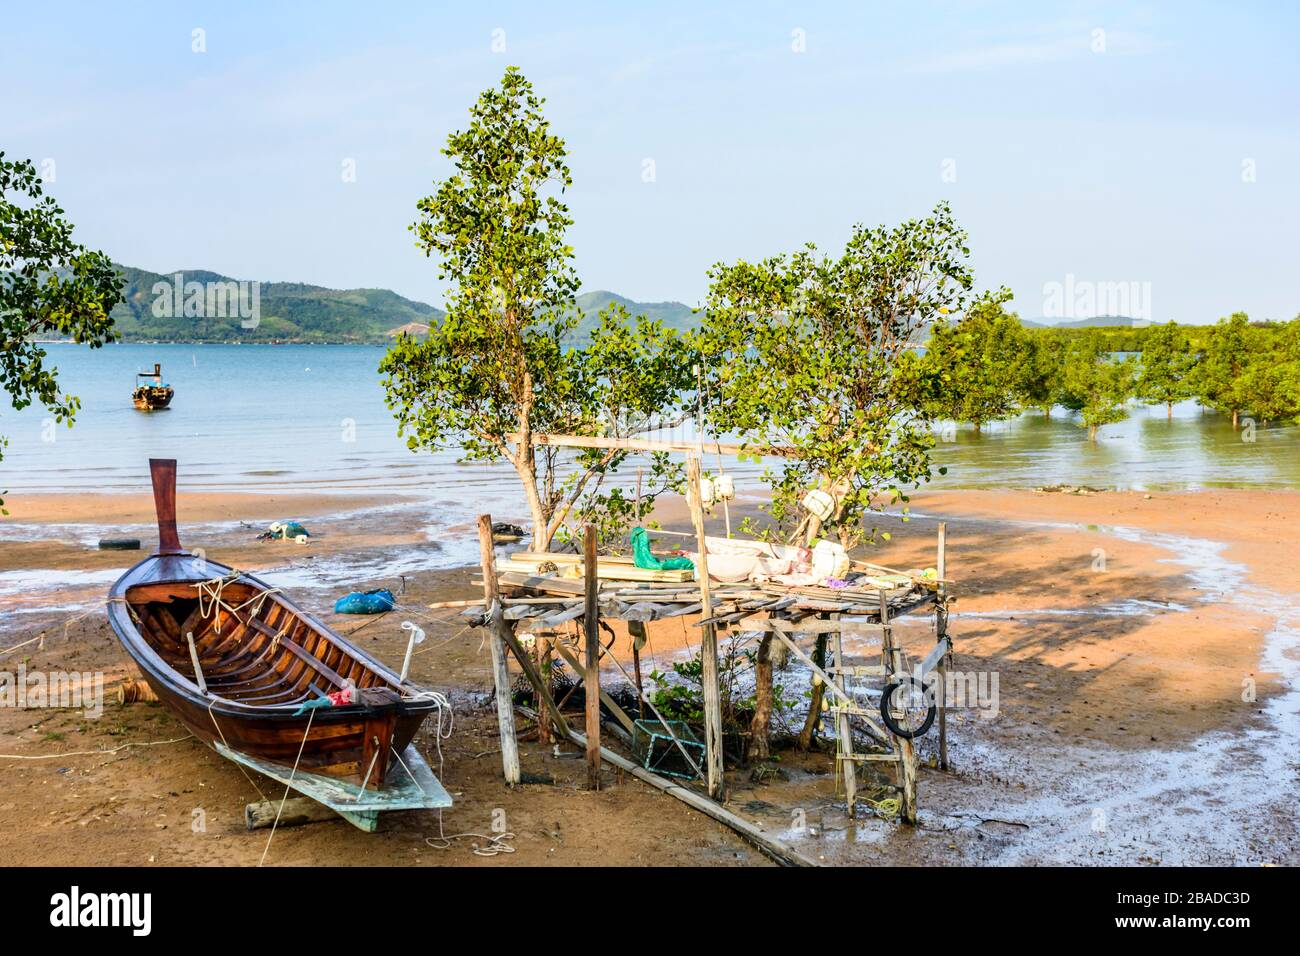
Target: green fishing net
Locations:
point(642, 557)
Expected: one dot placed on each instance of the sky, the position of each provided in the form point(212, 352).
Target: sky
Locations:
point(1145, 151)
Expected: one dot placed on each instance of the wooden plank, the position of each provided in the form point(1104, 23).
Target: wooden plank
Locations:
point(885, 758)
point(650, 444)
point(708, 639)
point(762, 622)
point(610, 572)
point(292, 812)
point(500, 673)
point(565, 558)
point(541, 583)
point(936, 656)
point(859, 670)
point(591, 633)
point(685, 610)
point(571, 613)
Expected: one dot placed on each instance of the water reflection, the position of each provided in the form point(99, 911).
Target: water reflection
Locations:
point(1194, 449)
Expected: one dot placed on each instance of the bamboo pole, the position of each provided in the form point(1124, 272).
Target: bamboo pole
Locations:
point(500, 673)
point(708, 638)
point(591, 684)
point(940, 635)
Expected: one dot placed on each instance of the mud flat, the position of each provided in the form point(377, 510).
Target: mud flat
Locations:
point(1145, 650)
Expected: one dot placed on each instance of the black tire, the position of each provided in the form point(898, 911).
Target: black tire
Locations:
point(888, 718)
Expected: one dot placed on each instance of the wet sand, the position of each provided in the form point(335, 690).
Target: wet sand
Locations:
point(1123, 629)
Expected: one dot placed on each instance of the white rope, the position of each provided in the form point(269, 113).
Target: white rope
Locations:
point(93, 753)
point(287, 786)
point(494, 845)
point(212, 589)
point(95, 609)
point(212, 716)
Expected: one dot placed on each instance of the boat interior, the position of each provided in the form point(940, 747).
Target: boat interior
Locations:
point(252, 649)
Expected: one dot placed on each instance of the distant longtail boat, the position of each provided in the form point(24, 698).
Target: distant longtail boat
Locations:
point(153, 392)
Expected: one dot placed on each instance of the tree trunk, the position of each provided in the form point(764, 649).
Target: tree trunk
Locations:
point(1234, 419)
point(1170, 407)
point(761, 725)
point(1047, 412)
point(815, 704)
point(1092, 433)
point(541, 539)
point(976, 423)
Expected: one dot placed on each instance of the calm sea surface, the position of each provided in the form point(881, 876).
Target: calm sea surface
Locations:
point(297, 417)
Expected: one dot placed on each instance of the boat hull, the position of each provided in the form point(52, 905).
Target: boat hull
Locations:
point(260, 658)
point(152, 399)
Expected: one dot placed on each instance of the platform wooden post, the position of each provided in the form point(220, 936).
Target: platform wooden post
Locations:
point(708, 638)
point(940, 635)
point(542, 648)
point(591, 632)
point(500, 673)
point(843, 730)
point(636, 634)
point(902, 746)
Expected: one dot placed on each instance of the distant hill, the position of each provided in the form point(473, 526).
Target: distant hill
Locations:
point(289, 311)
point(296, 312)
point(674, 315)
point(1096, 322)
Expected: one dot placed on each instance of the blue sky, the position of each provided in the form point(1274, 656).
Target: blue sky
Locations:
point(1163, 151)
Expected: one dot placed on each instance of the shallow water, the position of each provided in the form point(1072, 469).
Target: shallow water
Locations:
point(1217, 800)
point(299, 417)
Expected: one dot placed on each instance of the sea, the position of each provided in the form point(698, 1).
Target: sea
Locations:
point(294, 418)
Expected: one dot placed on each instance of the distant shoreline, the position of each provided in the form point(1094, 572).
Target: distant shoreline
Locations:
point(207, 342)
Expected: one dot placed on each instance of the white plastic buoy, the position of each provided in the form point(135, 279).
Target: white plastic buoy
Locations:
point(417, 635)
point(707, 492)
point(724, 488)
point(819, 503)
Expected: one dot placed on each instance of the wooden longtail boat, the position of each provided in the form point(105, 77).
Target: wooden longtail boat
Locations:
point(260, 657)
point(152, 393)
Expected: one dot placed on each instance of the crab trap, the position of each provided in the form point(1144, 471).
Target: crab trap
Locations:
point(654, 747)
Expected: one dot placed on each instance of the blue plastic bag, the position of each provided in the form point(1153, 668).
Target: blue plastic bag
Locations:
point(365, 602)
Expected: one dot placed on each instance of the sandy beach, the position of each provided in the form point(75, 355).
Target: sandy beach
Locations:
point(1145, 646)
